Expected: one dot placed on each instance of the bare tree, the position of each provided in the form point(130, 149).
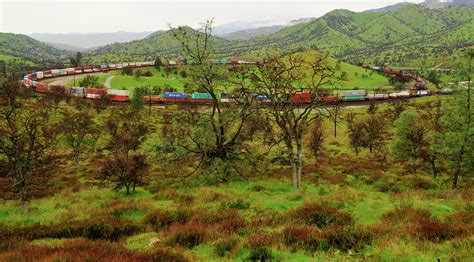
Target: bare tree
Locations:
point(335, 114)
point(79, 129)
point(27, 135)
point(316, 137)
point(212, 134)
point(291, 110)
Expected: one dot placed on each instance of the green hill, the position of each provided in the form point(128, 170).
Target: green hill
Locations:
point(395, 38)
point(29, 49)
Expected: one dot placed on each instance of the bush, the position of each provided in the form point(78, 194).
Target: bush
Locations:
point(237, 204)
point(98, 228)
point(322, 216)
point(304, 237)
point(187, 235)
point(163, 219)
point(436, 231)
point(262, 239)
point(346, 238)
point(260, 254)
point(222, 246)
point(406, 215)
point(86, 250)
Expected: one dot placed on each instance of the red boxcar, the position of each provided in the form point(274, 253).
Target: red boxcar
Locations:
point(118, 98)
point(95, 93)
point(153, 99)
point(328, 99)
point(301, 98)
point(387, 70)
point(234, 62)
point(395, 71)
point(174, 100)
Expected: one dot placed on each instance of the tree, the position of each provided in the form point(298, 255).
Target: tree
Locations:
point(276, 78)
point(457, 138)
point(213, 135)
point(433, 77)
point(27, 136)
point(79, 129)
point(357, 135)
point(335, 114)
point(125, 166)
point(158, 63)
point(57, 94)
point(410, 139)
point(137, 98)
point(316, 137)
point(376, 130)
point(89, 81)
point(76, 60)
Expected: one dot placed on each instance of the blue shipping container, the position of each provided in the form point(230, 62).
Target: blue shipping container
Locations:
point(174, 95)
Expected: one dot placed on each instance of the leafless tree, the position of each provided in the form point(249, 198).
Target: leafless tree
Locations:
point(79, 129)
point(276, 77)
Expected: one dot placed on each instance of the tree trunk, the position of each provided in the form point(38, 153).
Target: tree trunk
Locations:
point(25, 200)
point(299, 160)
point(294, 172)
point(455, 179)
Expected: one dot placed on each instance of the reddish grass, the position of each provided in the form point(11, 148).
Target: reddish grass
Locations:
point(85, 250)
point(405, 215)
point(186, 235)
point(321, 216)
point(262, 239)
point(162, 219)
point(346, 238)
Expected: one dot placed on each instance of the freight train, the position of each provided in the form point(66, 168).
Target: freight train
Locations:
point(31, 81)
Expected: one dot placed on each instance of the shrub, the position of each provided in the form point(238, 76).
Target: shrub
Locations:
point(86, 250)
point(260, 254)
point(405, 215)
point(237, 204)
point(322, 216)
point(222, 246)
point(436, 231)
point(346, 238)
point(304, 237)
point(163, 219)
point(262, 239)
point(187, 235)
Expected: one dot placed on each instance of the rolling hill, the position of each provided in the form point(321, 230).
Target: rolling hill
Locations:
point(29, 49)
point(392, 38)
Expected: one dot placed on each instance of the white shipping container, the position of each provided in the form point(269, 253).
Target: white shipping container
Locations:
point(39, 75)
point(118, 92)
point(55, 72)
point(62, 72)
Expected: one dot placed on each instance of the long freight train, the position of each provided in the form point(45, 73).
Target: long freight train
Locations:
point(32, 80)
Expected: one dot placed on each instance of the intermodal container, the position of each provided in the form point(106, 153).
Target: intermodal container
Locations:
point(118, 92)
point(55, 72)
point(39, 75)
point(78, 70)
point(201, 96)
point(328, 99)
point(42, 88)
point(62, 72)
point(87, 69)
point(301, 98)
point(34, 76)
point(353, 98)
point(47, 73)
point(77, 91)
point(353, 93)
point(174, 95)
point(118, 98)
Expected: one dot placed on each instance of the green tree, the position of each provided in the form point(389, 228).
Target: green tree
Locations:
point(158, 63)
point(76, 60)
point(410, 140)
point(89, 81)
point(137, 98)
point(457, 138)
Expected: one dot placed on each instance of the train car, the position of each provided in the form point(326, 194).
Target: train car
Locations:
point(118, 95)
point(63, 72)
point(55, 72)
point(112, 66)
point(138, 64)
point(39, 75)
point(77, 91)
point(95, 93)
point(96, 69)
point(27, 82)
point(227, 98)
point(201, 98)
point(153, 100)
point(328, 99)
point(402, 94)
point(71, 71)
point(174, 97)
point(375, 68)
point(87, 69)
point(233, 62)
point(47, 74)
point(34, 76)
point(132, 64)
point(301, 98)
point(387, 70)
point(353, 95)
point(422, 93)
point(396, 72)
point(378, 96)
point(124, 64)
point(104, 67)
point(78, 70)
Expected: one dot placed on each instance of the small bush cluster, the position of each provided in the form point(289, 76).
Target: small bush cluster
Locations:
point(86, 250)
point(346, 238)
point(162, 219)
point(304, 237)
point(186, 235)
point(322, 216)
point(223, 246)
point(437, 231)
point(237, 204)
point(260, 254)
point(97, 228)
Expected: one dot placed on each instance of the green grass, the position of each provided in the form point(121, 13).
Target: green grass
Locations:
point(8, 58)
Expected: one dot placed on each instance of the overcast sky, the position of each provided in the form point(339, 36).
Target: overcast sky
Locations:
point(65, 16)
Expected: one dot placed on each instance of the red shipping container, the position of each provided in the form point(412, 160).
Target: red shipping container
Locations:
point(118, 98)
point(95, 91)
point(42, 88)
point(328, 99)
point(153, 99)
point(302, 98)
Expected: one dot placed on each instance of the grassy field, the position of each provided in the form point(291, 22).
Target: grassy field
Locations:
point(8, 58)
point(383, 209)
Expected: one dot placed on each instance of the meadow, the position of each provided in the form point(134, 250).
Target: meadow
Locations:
point(349, 207)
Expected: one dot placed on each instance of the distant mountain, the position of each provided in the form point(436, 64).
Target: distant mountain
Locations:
point(89, 40)
point(161, 43)
point(250, 33)
point(29, 49)
point(243, 25)
point(435, 4)
point(389, 8)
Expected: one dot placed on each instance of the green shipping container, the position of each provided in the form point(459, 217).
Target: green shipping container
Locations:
point(201, 96)
point(348, 98)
